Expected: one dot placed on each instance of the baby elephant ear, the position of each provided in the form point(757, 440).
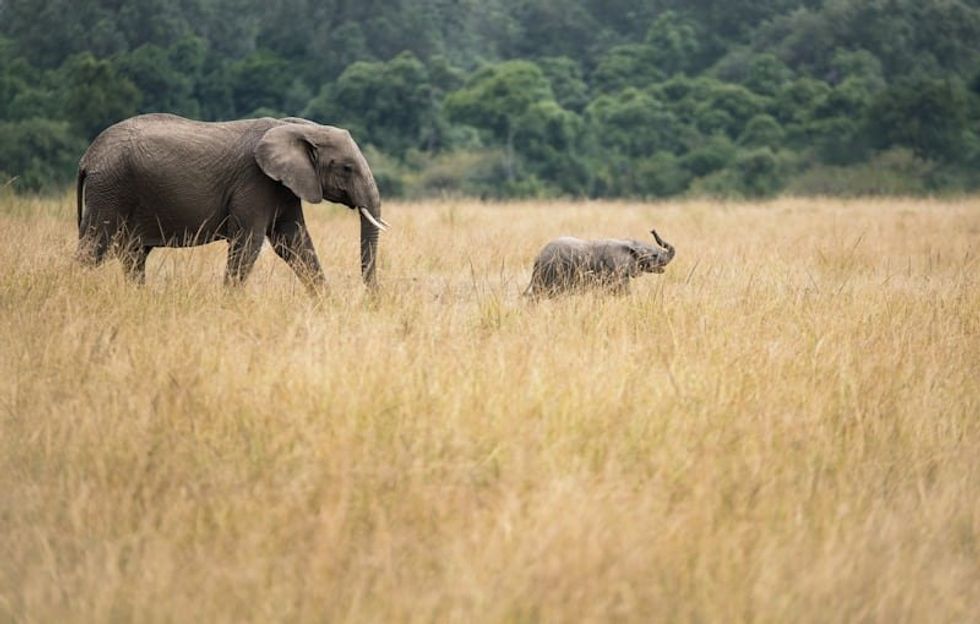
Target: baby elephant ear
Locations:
point(286, 154)
point(635, 249)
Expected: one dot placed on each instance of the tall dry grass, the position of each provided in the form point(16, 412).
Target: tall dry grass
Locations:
point(783, 427)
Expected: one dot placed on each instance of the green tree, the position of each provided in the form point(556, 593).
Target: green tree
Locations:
point(727, 108)
point(661, 175)
point(762, 73)
point(927, 115)
point(444, 76)
point(635, 124)
point(387, 104)
point(96, 94)
point(732, 20)
point(759, 173)
point(15, 74)
point(859, 65)
point(260, 80)
point(26, 91)
point(682, 92)
point(618, 84)
point(714, 154)
point(566, 80)
point(553, 28)
point(767, 75)
point(40, 153)
point(187, 56)
point(795, 107)
point(674, 43)
point(796, 102)
point(837, 128)
point(548, 138)
point(162, 86)
point(762, 131)
point(627, 65)
point(215, 90)
point(496, 97)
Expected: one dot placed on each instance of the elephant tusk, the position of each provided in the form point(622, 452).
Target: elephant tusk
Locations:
point(384, 223)
point(367, 215)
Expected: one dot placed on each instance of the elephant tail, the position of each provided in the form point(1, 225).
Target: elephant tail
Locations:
point(531, 292)
point(80, 195)
point(534, 286)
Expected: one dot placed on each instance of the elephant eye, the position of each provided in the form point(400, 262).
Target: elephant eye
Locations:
point(348, 168)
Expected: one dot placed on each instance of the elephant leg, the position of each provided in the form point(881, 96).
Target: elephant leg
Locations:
point(243, 251)
point(95, 240)
point(545, 280)
point(102, 226)
point(532, 292)
point(542, 281)
point(92, 247)
point(620, 286)
point(134, 262)
point(292, 242)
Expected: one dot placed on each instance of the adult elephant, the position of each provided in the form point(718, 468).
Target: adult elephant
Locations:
point(164, 181)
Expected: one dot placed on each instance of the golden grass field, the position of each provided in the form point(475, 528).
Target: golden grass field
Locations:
point(784, 427)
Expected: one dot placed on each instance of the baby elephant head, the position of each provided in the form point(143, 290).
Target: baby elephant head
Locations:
point(650, 258)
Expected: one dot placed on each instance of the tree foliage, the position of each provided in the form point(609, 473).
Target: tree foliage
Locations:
point(576, 97)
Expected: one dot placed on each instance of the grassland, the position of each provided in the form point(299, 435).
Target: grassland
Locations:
point(784, 427)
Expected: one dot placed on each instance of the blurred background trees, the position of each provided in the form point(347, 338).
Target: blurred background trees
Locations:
point(503, 98)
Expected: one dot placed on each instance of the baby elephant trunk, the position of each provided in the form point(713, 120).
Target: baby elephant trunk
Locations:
point(667, 247)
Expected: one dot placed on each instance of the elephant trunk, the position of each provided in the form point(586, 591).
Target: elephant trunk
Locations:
point(369, 249)
point(667, 247)
point(371, 225)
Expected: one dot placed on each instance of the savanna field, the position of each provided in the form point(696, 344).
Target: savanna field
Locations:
point(783, 427)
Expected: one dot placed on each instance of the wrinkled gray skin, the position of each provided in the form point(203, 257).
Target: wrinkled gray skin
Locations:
point(164, 181)
point(567, 264)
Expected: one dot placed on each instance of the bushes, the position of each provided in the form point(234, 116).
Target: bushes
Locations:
point(756, 173)
point(762, 131)
point(717, 153)
point(41, 154)
point(927, 115)
point(97, 95)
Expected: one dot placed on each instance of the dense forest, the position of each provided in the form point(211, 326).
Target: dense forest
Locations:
point(508, 98)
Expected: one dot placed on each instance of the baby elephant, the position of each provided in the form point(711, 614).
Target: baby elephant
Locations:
point(572, 263)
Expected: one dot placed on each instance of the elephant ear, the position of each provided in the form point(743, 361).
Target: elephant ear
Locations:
point(638, 251)
point(635, 248)
point(285, 154)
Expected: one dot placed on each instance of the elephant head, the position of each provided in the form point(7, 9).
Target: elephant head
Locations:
point(650, 258)
point(323, 162)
